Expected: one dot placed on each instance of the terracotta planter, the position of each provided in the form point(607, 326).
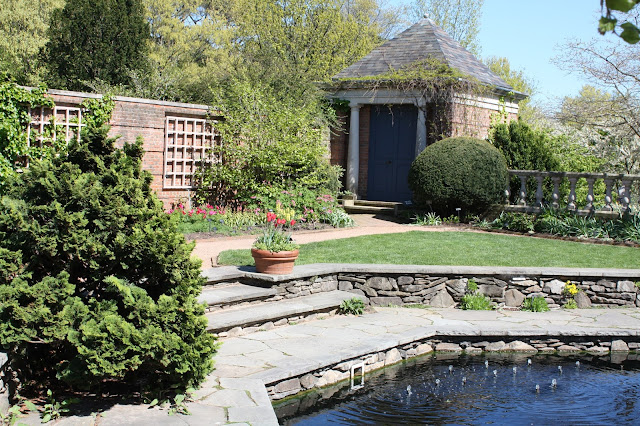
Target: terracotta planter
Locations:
point(279, 263)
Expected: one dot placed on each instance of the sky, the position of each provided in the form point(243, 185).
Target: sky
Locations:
point(529, 34)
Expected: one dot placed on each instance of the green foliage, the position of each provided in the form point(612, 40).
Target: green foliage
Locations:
point(464, 173)
point(353, 306)
point(524, 148)
point(535, 304)
point(53, 409)
point(475, 302)
point(609, 23)
point(427, 219)
point(96, 41)
point(566, 223)
point(570, 304)
point(301, 40)
point(23, 33)
point(101, 289)
point(270, 145)
point(16, 148)
point(519, 222)
point(339, 219)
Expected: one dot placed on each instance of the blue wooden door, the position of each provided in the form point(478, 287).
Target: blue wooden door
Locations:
point(392, 146)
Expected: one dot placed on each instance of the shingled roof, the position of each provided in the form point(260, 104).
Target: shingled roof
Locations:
point(422, 40)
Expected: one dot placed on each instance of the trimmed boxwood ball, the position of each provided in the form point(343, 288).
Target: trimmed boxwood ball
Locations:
point(459, 172)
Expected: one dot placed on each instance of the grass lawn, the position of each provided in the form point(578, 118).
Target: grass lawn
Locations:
point(457, 248)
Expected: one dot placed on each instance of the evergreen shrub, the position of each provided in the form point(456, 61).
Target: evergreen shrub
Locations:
point(459, 172)
point(97, 288)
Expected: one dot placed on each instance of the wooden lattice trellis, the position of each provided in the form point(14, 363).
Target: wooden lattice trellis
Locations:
point(65, 120)
point(188, 143)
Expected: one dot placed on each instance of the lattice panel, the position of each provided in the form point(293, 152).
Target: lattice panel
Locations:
point(67, 123)
point(188, 142)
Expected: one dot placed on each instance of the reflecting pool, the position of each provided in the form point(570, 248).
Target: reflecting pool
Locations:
point(504, 389)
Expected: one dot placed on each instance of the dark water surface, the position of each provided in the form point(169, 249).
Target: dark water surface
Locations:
point(599, 391)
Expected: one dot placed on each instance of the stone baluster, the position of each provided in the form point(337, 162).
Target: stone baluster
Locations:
point(539, 192)
point(571, 205)
point(556, 191)
point(607, 198)
point(523, 190)
point(590, 198)
point(624, 195)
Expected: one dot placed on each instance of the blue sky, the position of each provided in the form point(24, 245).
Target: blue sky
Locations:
point(529, 34)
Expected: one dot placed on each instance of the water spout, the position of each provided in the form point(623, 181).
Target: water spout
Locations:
point(528, 361)
point(486, 364)
point(560, 369)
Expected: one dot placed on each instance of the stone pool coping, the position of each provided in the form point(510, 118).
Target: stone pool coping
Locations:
point(227, 273)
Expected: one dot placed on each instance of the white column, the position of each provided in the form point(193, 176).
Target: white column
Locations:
point(421, 130)
point(353, 155)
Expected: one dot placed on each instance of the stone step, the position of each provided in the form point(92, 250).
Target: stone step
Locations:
point(389, 204)
point(256, 315)
point(234, 294)
point(369, 209)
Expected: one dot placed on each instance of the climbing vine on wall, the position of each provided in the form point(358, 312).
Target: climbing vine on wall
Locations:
point(437, 85)
point(17, 146)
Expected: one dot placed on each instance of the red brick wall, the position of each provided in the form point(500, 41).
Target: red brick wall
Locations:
point(363, 176)
point(146, 118)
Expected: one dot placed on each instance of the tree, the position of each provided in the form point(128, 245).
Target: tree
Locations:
point(612, 105)
point(459, 18)
point(629, 29)
point(97, 287)
point(96, 41)
point(518, 80)
point(301, 40)
point(23, 33)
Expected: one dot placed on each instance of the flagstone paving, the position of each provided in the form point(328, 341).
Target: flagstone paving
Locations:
point(235, 391)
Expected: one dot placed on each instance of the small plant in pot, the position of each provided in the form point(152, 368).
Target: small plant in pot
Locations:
point(274, 251)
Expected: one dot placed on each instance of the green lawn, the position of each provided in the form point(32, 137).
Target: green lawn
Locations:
point(457, 248)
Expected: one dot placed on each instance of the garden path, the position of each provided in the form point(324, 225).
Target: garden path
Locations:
point(366, 224)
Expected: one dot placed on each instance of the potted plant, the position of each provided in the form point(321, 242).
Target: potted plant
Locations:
point(274, 252)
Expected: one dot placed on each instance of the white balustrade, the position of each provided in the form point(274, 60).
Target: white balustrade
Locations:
point(621, 185)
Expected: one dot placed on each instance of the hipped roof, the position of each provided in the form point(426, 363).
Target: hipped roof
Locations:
point(419, 42)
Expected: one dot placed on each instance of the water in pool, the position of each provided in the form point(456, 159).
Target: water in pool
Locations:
point(481, 390)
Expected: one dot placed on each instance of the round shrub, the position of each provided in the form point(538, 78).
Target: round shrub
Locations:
point(460, 172)
point(98, 290)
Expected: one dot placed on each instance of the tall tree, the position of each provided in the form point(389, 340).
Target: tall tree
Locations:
point(612, 104)
point(23, 33)
point(459, 18)
point(302, 39)
point(516, 79)
point(97, 40)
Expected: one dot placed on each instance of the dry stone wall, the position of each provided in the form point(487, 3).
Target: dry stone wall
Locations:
point(445, 291)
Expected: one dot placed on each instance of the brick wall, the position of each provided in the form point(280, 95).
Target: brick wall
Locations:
point(365, 129)
point(133, 117)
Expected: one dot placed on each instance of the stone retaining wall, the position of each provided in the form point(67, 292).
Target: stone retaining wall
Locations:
point(447, 290)
point(595, 346)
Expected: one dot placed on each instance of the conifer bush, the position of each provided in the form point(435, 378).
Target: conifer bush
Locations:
point(459, 172)
point(97, 287)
